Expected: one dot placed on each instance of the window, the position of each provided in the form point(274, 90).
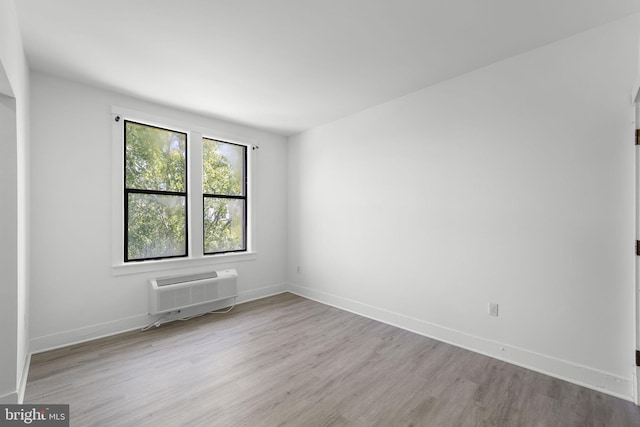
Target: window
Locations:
point(224, 196)
point(155, 193)
point(182, 195)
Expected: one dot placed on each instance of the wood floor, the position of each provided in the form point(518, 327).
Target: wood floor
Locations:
point(289, 361)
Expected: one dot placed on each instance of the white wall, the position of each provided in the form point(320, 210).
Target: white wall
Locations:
point(8, 249)
point(14, 211)
point(512, 184)
point(75, 295)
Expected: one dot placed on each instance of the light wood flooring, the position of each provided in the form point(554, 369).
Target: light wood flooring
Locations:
point(286, 360)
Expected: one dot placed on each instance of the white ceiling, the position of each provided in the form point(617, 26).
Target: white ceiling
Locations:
point(289, 65)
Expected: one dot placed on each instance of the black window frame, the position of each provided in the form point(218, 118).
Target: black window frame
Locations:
point(128, 191)
point(243, 197)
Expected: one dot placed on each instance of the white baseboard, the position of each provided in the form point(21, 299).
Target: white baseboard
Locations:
point(118, 326)
point(17, 396)
point(9, 399)
point(87, 333)
point(22, 386)
point(268, 291)
point(561, 369)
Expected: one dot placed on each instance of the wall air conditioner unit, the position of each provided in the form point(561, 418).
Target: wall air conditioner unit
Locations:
point(177, 292)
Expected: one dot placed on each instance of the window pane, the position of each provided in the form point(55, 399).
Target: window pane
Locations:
point(156, 226)
point(223, 167)
point(155, 158)
point(224, 223)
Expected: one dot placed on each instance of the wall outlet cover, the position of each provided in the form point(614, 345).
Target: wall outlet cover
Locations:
point(493, 309)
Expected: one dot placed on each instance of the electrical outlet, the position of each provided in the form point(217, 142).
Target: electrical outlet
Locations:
point(493, 309)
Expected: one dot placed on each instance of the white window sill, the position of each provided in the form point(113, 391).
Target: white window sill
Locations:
point(177, 263)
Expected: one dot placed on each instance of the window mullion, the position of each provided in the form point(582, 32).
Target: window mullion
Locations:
point(195, 195)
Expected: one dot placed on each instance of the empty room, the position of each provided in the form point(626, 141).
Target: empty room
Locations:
point(314, 213)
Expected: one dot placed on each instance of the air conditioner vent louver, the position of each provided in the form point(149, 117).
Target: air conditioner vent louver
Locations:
point(166, 281)
point(178, 292)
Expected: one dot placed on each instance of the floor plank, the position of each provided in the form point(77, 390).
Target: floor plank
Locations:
point(289, 361)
